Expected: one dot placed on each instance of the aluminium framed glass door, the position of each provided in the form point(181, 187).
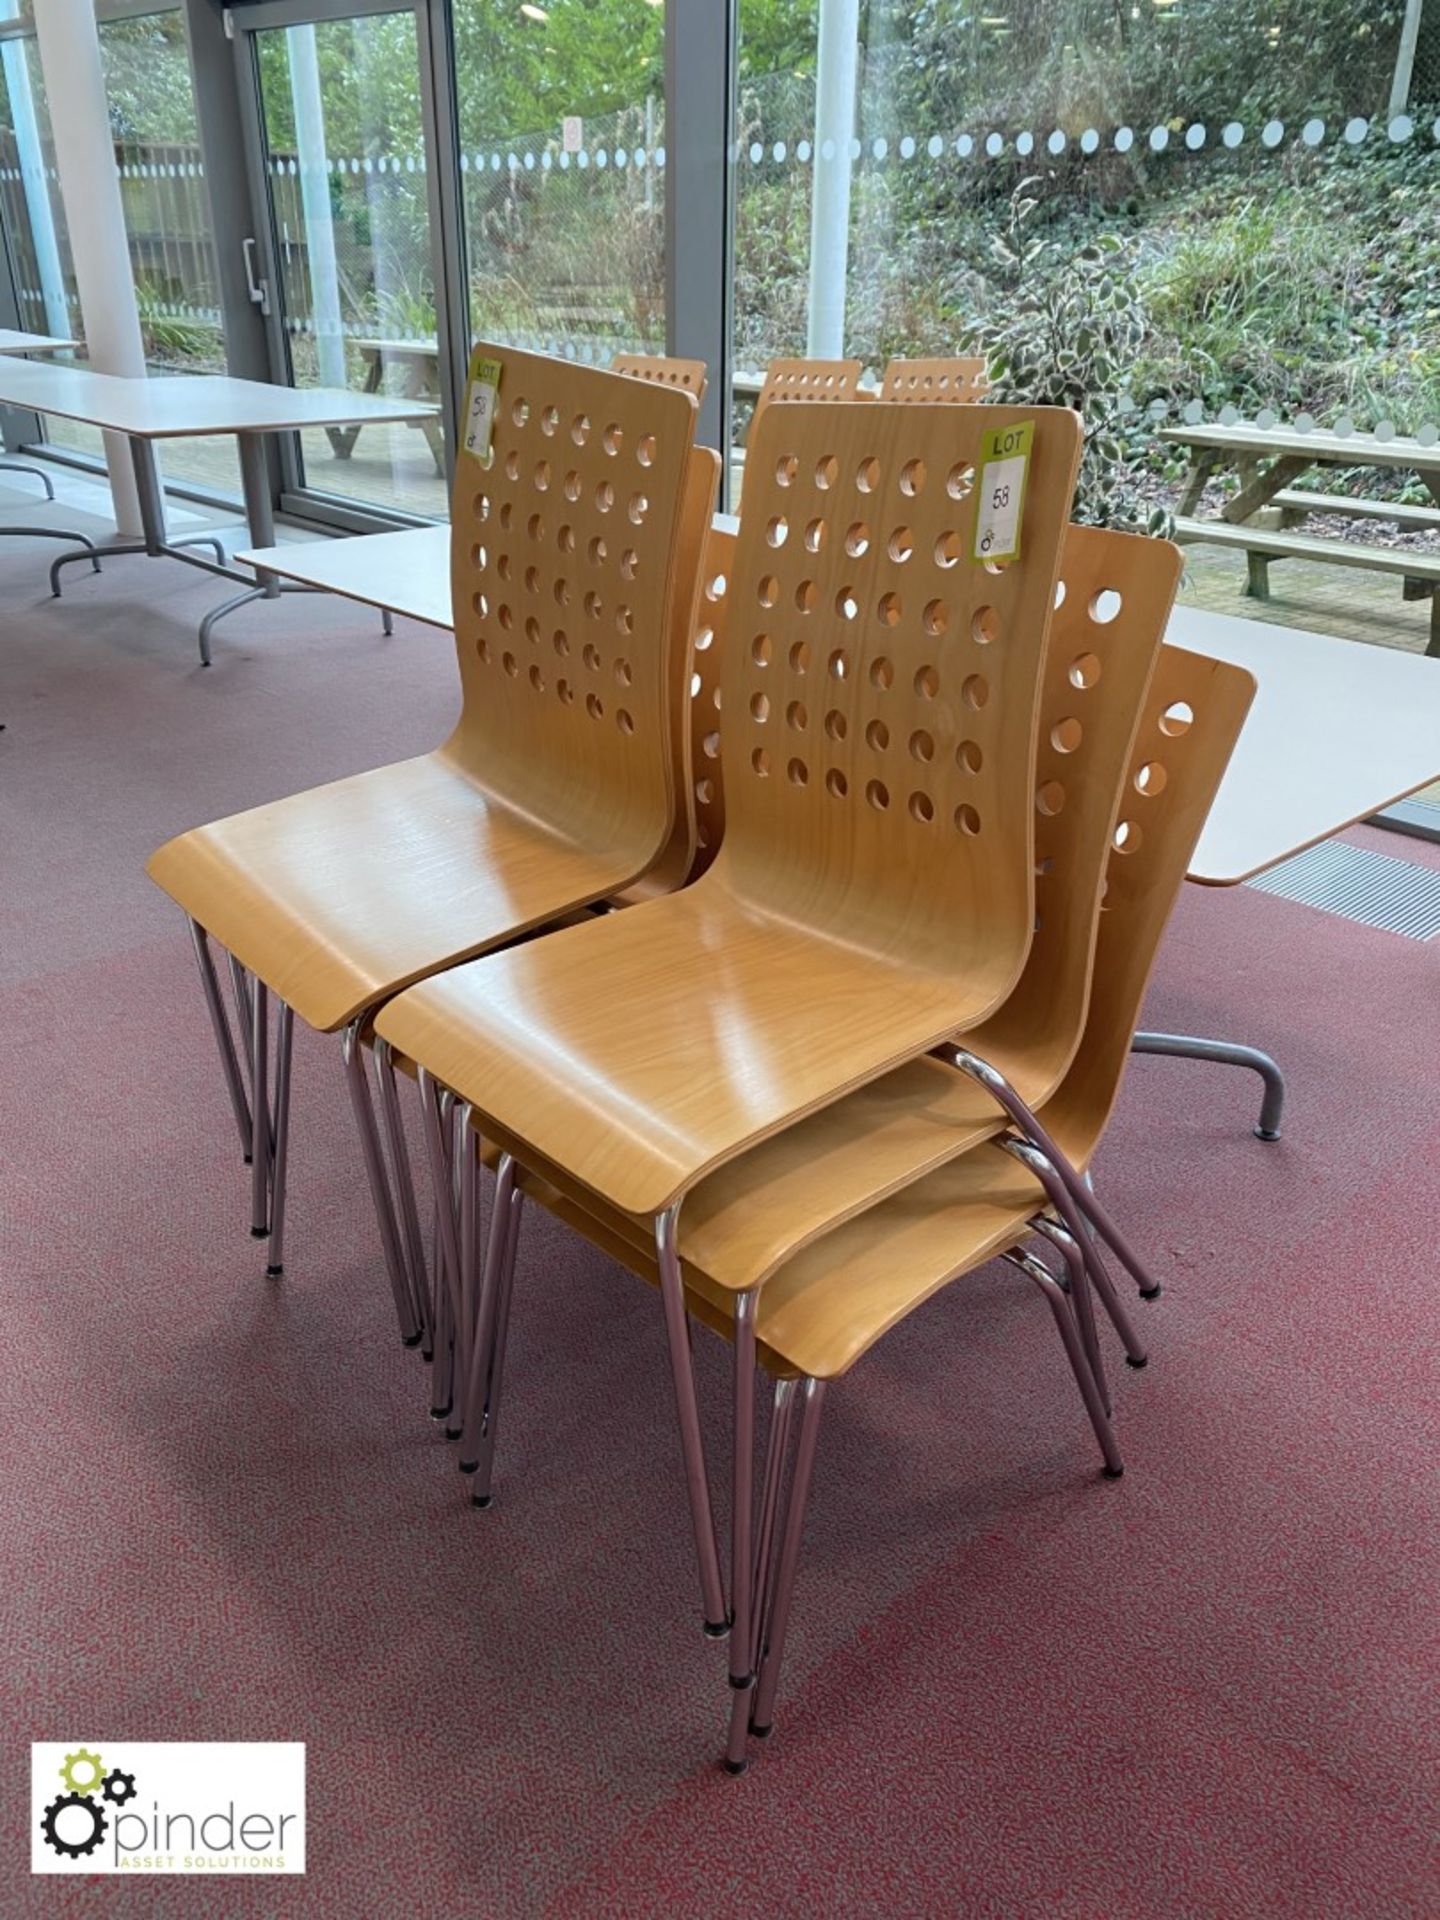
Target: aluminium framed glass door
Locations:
point(337, 103)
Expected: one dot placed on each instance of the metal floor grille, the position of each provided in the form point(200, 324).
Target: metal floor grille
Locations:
point(1374, 889)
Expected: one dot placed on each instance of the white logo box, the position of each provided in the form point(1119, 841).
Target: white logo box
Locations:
point(167, 1807)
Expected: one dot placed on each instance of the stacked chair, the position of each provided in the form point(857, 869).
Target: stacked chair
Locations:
point(575, 584)
point(840, 948)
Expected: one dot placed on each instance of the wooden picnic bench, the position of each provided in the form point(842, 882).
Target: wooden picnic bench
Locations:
point(1262, 517)
point(417, 363)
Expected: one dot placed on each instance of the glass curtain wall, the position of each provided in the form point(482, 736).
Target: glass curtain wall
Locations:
point(162, 190)
point(1180, 212)
point(562, 138)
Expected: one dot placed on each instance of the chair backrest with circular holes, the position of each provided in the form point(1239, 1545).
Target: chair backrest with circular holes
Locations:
point(787, 380)
point(881, 685)
point(1114, 597)
point(567, 549)
point(665, 369)
point(1193, 714)
point(960, 379)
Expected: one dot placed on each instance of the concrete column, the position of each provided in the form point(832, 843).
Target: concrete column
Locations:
point(69, 46)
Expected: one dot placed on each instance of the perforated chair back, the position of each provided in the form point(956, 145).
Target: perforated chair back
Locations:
point(880, 685)
point(711, 640)
point(960, 379)
point(566, 563)
point(1193, 714)
point(1115, 594)
point(787, 380)
point(664, 369)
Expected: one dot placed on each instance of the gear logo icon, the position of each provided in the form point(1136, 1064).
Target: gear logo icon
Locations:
point(86, 1764)
point(118, 1787)
point(80, 1843)
point(77, 1820)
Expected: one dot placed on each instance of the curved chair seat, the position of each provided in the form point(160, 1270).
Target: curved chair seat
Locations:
point(345, 894)
point(741, 1029)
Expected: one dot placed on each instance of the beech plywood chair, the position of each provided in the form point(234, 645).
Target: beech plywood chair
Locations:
point(810, 380)
point(860, 909)
point(665, 370)
point(828, 1305)
point(962, 380)
point(576, 561)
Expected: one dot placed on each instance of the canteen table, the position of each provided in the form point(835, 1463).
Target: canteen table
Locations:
point(186, 406)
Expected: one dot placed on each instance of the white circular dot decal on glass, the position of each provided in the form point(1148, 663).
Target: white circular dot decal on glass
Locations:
point(1089, 141)
point(1194, 413)
point(1401, 127)
point(935, 146)
point(1233, 134)
point(1025, 144)
point(1195, 137)
point(994, 144)
point(1428, 435)
point(1056, 142)
point(964, 146)
point(1356, 130)
point(1124, 139)
point(880, 148)
point(1304, 423)
point(1344, 426)
point(1229, 414)
point(1265, 419)
point(907, 147)
point(1384, 429)
point(1272, 133)
point(802, 152)
point(1159, 139)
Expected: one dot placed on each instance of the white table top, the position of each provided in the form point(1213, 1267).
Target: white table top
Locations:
point(12, 342)
point(176, 406)
point(1338, 729)
point(408, 571)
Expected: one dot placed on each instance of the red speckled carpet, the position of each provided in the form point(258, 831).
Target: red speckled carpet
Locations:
point(1013, 1689)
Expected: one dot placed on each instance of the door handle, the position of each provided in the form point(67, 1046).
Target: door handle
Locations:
point(256, 285)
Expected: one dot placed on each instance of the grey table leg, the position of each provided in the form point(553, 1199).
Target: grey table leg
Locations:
point(1226, 1053)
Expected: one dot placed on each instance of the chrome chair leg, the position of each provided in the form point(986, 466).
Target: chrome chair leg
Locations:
point(224, 1040)
point(692, 1445)
point(260, 1137)
point(485, 1400)
point(353, 1054)
point(1059, 1305)
point(284, 1046)
point(742, 1520)
point(1030, 1126)
point(812, 1398)
point(403, 1181)
point(1135, 1354)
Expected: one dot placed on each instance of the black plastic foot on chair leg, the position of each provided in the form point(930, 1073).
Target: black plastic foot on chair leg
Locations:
point(481, 1500)
point(260, 1233)
point(1113, 1473)
point(273, 1273)
point(248, 1161)
point(758, 1732)
point(1151, 1293)
point(411, 1339)
point(1265, 1133)
point(736, 1767)
point(453, 1433)
point(469, 1466)
point(714, 1631)
point(441, 1413)
point(1143, 1361)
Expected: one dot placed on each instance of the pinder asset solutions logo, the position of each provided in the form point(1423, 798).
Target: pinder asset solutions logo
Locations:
point(144, 1807)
